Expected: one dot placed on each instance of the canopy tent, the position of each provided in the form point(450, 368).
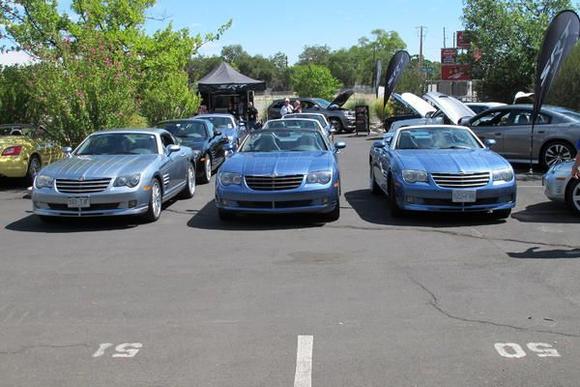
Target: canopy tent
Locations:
point(226, 79)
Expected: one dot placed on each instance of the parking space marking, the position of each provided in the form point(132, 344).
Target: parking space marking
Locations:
point(303, 376)
point(121, 350)
point(515, 351)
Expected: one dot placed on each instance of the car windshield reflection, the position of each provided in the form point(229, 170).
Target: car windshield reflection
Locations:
point(437, 138)
point(284, 141)
point(118, 144)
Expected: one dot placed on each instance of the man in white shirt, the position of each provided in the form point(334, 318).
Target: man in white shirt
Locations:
point(286, 108)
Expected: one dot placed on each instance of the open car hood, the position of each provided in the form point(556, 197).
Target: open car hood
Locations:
point(414, 103)
point(342, 98)
point(451, 107)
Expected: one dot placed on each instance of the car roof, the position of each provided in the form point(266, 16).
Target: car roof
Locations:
point(433, 127)
point(157, 131)
point(294, 119)
point(205, 122)
point(209, 115)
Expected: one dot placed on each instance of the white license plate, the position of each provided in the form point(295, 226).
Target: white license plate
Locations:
point(79, 203)
point(464, 196)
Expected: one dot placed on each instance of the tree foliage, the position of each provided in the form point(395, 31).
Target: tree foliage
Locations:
point(565, 90)
point(314, 81)
point(508, 34)
point(97, 67)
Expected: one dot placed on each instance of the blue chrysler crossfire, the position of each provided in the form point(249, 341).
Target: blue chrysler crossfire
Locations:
point(441, 168)
point(281, 171)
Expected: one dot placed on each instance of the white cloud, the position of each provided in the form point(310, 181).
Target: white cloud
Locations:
point(15, 58)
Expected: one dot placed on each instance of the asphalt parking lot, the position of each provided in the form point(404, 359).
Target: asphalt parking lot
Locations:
point(365, 301)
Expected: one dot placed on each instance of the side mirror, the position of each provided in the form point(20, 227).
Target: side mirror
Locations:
point(67, 150)
point(229, 147)
point(332, 130)
point(464, 121)
point(217, 133)
point(489, 142)
point(379, 144)
point(339, 145)
point(172, 148)
point(429, 115)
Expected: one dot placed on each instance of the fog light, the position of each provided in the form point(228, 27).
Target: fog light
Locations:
point(132, 203)
point(410, 199)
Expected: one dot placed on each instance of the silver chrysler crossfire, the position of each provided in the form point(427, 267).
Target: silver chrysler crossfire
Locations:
point(116, 172)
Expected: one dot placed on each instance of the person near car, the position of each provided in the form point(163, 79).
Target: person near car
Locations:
point(252, 116)
point(202, 109)
point(232, 110)
point(297, 108)
point(286, 108)
point(576, 166)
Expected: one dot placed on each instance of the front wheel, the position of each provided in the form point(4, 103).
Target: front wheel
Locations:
point(337, 125)
point(189, 189)
point(33, 168)
point(396, 211)
point(374, 187)
point(207, 169)
point(573, 195)
point(155, 202)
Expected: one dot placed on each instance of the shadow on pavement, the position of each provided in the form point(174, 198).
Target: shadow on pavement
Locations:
point(546, 212)
point(375, 209)
point(32, 223)
point(536, 253)
point(207, 219)
point(12, 184)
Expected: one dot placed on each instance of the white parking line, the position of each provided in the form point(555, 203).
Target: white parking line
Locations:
point(303, 376)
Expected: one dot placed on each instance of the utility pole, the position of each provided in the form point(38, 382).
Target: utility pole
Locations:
point(444, 38)
point(422, 32)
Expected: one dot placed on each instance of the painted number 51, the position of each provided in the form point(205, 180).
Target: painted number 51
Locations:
point(121, 350)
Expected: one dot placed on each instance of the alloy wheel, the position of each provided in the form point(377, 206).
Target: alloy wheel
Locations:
point(556, 153)
point(576, 197)
point(207, 166)
point(156, 199)
point(191, 178)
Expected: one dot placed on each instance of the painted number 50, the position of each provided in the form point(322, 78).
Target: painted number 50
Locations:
point(515, 351)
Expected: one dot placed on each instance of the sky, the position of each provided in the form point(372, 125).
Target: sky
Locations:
point(266, 27)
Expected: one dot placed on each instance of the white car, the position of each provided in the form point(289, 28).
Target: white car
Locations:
point(560, 186)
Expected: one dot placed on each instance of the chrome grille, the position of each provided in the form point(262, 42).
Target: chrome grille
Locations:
point(463, 180)
point(82, 186)
point(274, 183)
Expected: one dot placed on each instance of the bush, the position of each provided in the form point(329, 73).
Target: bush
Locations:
point(381, 112)
point(314, 81)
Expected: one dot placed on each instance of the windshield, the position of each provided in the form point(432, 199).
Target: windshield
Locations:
point(219, 122)
point(322, 102)
point(437, 138)
point(284, 141)
point(118, 144)
point(291, 123)
point(190, 130)
point(16, 131)
point(321, 120)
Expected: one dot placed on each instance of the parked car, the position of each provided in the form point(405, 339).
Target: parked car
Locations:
point(416, 106)
point(449, 111)
point(24, 151)
point(118, 172)
point(206, 141)
point(300, 123)
point(343, 120)
point(234, 130)
point(441, 168)
point(560, 186)
point(557, 130)
point(480, 107)
point(321, 118)
point(281, 171)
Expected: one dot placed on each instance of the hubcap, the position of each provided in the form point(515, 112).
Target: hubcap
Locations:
point(156, 199)
point(557, 153)
point(191, 179)
point(208, 168)
point(576, 197)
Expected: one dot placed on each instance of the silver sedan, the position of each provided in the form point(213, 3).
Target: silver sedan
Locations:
point(560, 186)
point(120, 172)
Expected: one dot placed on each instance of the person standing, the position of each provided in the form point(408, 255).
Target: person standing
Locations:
point(286, 108)
point(252, 116)
point(297, 108)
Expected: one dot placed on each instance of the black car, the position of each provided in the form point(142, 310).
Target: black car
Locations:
point(201, 136)
point(343, 120)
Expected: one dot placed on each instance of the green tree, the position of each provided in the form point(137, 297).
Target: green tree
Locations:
point(316, 54)
point(565, 90)
point(508, 34)
point(313, 81)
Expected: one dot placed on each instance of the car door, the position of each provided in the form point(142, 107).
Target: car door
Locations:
point(216, 146)
point(490, 126)
point(173, 169)
point(517, 132)
point(382, 163)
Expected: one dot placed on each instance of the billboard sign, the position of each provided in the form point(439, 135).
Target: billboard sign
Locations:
point(455, 72)
point(463, 40)
point(448, 56)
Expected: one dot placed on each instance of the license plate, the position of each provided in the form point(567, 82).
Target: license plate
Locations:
point(464, 196)
point(79, 203)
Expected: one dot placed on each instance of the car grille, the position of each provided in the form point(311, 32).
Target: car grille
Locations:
point(82, 186)
point(456, 180)
point(274, 183)
point(276, 204)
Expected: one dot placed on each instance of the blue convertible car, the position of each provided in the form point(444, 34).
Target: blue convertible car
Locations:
point(441, 168)
point(281, 171)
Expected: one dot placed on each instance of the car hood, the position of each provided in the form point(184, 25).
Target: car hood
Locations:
point(6, 141)
point(278, 163)
point(451, 107)
point(452, 161)
point(415, 103)
point(88, 167)
point(342, 98)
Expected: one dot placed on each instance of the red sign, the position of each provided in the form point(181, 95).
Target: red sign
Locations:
point(448, 55)
point(463, 40)
point(455, 73)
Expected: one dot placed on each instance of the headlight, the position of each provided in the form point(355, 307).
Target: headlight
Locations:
point(230, 178)
point(321, 177)
point(414, 176)
point(130, 181)
point(503, 175)
point(43, 181)
point(231, 139)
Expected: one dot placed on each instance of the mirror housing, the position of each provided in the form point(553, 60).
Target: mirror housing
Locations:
point(379, 144)
point(339, 145)
point(332, 130)
point(172, 148)
point(464, 121)
point(67, 150)
point(217, 133)
point(429, 115)
point(489, 142)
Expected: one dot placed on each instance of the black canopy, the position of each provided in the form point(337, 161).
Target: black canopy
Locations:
point(226, 79)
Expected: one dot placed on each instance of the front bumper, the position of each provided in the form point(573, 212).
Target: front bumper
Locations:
point(13, 166)
point(555, 186)
point(121, 202)
point(429, 198)
point(306, 199)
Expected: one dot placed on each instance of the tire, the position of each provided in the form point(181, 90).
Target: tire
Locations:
point(337, 125)
point(34, 166)
point(573, 195)
point(396, 211)
point(373, 186)
point(334, 215)
point(207, 169)
point(226, 215)
point(189, 189)
point(155, 202)
point(556, 151)
point(501, 214)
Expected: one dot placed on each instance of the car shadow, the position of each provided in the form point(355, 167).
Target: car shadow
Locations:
point(12, 184)
point(536, 253)
point(33, 224)
point(546, 212)
point(207, 219)
point(375, 209)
